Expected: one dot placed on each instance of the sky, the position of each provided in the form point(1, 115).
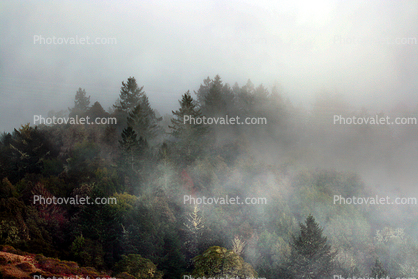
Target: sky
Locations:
point(364, 50)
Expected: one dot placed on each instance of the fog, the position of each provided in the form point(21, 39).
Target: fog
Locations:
point(171, 47)
point(315, 61)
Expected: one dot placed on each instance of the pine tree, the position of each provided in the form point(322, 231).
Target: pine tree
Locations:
point(246, 98)
point(132, 148)
point(143, 121)
point(190, 137)
point(214, 104)
point(311, 256)
point(81, 103)
point(130, 96)
point(134, 155)
point(173, 263)
point(203, 90)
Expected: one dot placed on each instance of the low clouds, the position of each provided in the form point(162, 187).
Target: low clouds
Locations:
point(170, 47)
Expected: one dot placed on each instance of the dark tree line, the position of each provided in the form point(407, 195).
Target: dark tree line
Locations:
point(150, 164)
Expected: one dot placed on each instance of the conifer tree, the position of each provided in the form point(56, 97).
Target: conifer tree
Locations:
point(143, 121)
point(189, 136)
point(246, 98)
point(81, 103)
point(130, 95)
point(214, 104)
point(203, 90)
point(133, 151)
point(311, 256)
point(81, 99)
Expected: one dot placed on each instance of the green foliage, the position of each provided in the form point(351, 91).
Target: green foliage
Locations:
point(133, 160)
point(9, 233)
point(87, 252)
point(190, 138)
point(144, 121)
point(221, 262)
point(271, 253)
point(7, 190)
point(78, 245)
point(311, 256)
point(173, 263)
point(52, 167)
point(24, 153)
point(107, 181)
point(139, 267)
point(130, 95)
point(84, 160)
point(127, 158)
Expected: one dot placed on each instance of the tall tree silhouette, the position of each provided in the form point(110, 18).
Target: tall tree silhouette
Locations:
point(130, 95)
point(81, 103)
point(189, 137)
point(311, 256)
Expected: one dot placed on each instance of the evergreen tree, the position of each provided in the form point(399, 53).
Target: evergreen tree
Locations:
point(148, 111)
point(143, 121)
point(311, 256)
point(134, 155)
point(246, 99)
point(130, 95)
point(203, 90)
point(173, 263)
point(214, 104)
point(189, 136)
point(81, 103)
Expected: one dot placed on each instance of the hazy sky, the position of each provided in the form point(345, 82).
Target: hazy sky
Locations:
point(171, 46)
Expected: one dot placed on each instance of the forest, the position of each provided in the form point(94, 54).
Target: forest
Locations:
point(297, 161)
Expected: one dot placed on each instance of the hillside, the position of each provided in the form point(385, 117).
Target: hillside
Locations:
point(16, 264)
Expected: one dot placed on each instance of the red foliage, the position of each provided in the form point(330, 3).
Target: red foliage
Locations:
point(49, 212)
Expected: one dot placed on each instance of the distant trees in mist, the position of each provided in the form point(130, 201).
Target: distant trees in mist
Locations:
point(298, 161)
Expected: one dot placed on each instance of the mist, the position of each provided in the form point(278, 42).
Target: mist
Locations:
point(308, 70)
